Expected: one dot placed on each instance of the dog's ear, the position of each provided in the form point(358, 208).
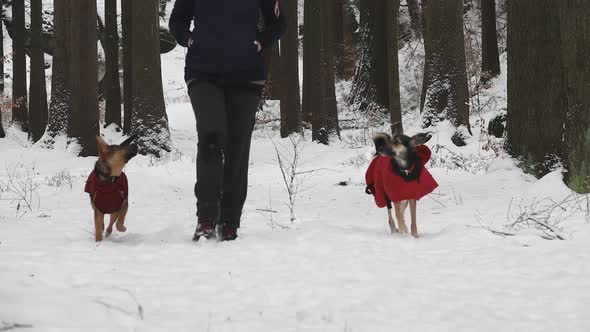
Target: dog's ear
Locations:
point(420, 139)
point(382, 143)
point(103, 147)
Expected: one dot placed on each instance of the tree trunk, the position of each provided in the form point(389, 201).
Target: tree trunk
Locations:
point(490, 65)
point(349, 26)
point(126, 27)
point(111, 79)
point(575, 47)
point(148, 110)
point(38, 88)
point(83, 75)
point(446, 96)
point(392, 37)
point(59, 107)
point(19, 67)
point(290, 96)
point(273, 83)
point(311, 62)
point(536, 91)
point(338, 36)
point(2, 133)
point(376, 81)
point(327, 83)
point(415, 17)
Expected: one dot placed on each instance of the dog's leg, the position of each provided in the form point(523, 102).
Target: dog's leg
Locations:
point(98, 225)
point(122, 214)
point(114, 217)
point(391, 222)
point(413, 211)
point(400, 208)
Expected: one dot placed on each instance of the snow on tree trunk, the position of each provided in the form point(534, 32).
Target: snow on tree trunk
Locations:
point(445, 91)
point(148, 110)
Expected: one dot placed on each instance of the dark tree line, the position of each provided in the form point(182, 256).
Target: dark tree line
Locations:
point(74, 104)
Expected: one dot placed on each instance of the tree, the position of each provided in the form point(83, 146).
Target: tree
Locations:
point(415, 17)
point(376, 80)
point(126, 27)
point(273, 83)
point(2, 133)
point(490, 65)
point(289, 60)
point(148, 110)
point(536, 93)
point(311, 59)
point(445, 93)
point(325, 123)
point(112, 83)
point(38, 88)
point(575, 49)
point(83, 75)
point(19, 66)
point(59, 106)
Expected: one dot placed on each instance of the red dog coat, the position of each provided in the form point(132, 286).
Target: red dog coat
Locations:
point(389, 186)
point(107, 196)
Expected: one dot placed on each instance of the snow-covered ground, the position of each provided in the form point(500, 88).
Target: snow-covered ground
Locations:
point(335, 268)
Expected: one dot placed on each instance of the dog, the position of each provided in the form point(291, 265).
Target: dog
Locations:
point(107, 185)
point(397, 175)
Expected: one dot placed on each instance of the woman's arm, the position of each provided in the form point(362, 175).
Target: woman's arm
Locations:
point(180, 21)
point(276, 25)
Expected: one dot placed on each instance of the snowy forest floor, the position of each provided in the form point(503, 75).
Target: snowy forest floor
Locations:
point(335, 268)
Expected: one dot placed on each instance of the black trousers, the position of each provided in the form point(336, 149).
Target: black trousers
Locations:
point(225, 120)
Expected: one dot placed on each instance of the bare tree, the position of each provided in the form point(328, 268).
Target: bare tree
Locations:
point(415, 17)
point(111, 79)
point(2, 133)
point(126, 27)
point(38, 89)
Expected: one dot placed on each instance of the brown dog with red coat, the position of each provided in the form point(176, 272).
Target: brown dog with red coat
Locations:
point(107, 185)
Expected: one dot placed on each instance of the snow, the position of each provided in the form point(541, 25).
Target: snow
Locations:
point(335, 268)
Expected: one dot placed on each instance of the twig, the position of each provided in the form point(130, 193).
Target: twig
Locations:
point(14, 326)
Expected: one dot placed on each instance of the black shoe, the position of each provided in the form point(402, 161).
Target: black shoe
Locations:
point(227, 233)
point(205, 228)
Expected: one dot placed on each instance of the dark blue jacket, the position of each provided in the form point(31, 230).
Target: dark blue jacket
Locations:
point(224, 34)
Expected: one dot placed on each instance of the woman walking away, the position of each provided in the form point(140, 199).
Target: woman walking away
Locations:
point(225, 75)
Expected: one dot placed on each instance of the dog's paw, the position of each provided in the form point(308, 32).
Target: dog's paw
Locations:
point(121, 228)
point(403, 229)
point(108, 232)
point(415, 234)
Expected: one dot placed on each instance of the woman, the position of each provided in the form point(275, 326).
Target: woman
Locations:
point(225, 75)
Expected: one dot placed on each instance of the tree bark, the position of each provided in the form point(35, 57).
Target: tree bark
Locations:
point(111, 79)
point(59, 106)
point(575, 35)
point(536, 91)
point(490, 56)
point(83, 75)
point(38, 89)
point(446, 95)
point(19, 67)
point(290, 90)
point(148, 110)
